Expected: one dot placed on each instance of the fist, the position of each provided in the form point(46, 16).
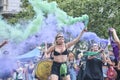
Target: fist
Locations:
point(5, 42)
point(112, 30)
point(85, 17)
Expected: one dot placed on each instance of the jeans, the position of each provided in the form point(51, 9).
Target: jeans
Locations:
point(73, 73)
point(30, 77)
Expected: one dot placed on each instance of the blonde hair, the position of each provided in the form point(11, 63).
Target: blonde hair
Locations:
point(71, 55)
point(57, 37)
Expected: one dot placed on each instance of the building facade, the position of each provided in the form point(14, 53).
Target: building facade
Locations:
point(9, 6)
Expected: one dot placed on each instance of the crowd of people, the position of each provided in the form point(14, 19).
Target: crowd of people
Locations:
point(22, 71)
point(67, 65)
point(98, 64)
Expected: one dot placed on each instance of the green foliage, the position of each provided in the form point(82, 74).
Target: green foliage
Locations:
point(26, 13)
point(103, 13)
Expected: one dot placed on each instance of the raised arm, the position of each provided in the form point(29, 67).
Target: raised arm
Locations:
point(106, 59)
point(48, 51)
point(3, 43)
point(115, 36)
point(71, 43)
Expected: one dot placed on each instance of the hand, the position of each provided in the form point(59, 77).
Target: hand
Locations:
point(112, 30)
point(85, 30)
point(85, 17)
point(101, 50)
point(5, 42)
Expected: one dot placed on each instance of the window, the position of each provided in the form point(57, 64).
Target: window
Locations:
point(1, 1)
point(5, 6)
point(1, 6)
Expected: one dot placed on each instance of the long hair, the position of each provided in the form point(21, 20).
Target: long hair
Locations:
point(56, 37)
point(71, 55)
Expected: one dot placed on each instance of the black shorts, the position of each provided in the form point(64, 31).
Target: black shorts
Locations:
point(56, 69)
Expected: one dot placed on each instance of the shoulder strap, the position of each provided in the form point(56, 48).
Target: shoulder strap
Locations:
point(54, 47)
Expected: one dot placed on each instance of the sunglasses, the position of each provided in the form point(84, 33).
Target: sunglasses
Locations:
point(59, 36)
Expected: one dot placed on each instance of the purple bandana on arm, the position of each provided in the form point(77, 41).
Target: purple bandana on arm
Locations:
point(114, 46)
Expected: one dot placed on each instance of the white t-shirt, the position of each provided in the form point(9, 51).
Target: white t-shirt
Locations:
point(20, 73)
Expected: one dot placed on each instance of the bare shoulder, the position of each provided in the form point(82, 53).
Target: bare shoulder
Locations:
point(67, 45)
point(50, 49)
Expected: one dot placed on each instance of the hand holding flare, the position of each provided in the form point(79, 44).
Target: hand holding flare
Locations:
point(3, 43)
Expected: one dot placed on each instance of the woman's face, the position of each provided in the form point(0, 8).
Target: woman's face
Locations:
point(71, 58)
point(79, 55)
point(59, 39)
point(95, 48)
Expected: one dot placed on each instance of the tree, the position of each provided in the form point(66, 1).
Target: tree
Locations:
point(103, 13)
point(26, 13)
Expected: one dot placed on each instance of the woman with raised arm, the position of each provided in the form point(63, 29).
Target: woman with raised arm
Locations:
point(117, 40)
point(60, 53)
point(93, 66)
